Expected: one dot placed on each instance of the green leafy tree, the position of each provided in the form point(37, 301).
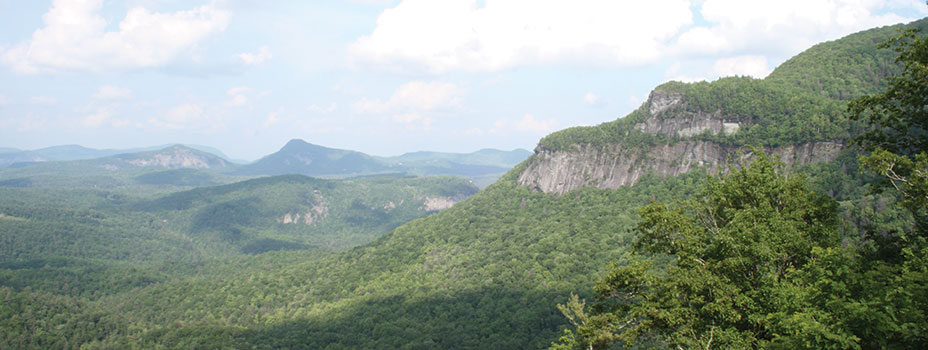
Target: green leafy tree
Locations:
point(895, 279)
point(898, 138)
point(735, 280)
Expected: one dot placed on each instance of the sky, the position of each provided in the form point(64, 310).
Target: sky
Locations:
point(382, 77)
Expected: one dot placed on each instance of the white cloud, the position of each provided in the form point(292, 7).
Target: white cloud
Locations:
point(74, 38)
point(673, 73)
point(97, 118)
point(320, 110)
point(593, 100)
point(29, 122)
point(253, 59)
point(528, 124)
point(239, 95)
point(755, 66)
point(5, 100)
point(103, 115)
point(458, 35)
point(474, 132)
point(411, 120)
point(783, 27)
point(415, 96)
point(108, 92)
point(185, 116)
point(373, 2)
point(43, 100)
point(272, 118)
point(463, 35)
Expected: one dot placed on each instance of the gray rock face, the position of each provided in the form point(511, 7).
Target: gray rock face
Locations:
point(177, 157)
point(617, 165)
point(686, 124)
point(612, 167)
point(660, 101)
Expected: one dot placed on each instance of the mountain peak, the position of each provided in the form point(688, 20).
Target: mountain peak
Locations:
point(301, 157)
point(174, 157)
point(296, 143)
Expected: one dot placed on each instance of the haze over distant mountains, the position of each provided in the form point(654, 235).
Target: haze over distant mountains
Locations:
point(293, 262)
point(296, 157)
point(11, 156)
point(301, 157)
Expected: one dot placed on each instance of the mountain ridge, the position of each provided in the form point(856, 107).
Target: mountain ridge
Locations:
point(489, 271)
point(682, 126)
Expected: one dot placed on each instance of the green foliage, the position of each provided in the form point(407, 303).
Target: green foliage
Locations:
point(893, 276)
point(843, 69)
point(897, 116)
point(178, 177)
point(757, 260)
point(737, 250)
point(803, 100)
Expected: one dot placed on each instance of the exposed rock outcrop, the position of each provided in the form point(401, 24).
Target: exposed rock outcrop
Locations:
point(176, 157)
point(437, 203)
point(617, 165)
point(612, 167)
point(319, 211)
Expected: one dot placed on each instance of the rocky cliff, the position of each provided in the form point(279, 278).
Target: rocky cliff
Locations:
point(175, 157)
point(666, 113)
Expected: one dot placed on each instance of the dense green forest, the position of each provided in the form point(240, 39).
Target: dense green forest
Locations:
point(835, 257)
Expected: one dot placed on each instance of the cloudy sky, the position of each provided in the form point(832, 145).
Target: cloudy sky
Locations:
point(378, 76)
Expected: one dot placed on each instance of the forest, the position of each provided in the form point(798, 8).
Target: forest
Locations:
point(809, 256)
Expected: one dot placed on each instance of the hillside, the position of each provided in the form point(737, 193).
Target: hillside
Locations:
point(300, 157)
point(798, 113)
point(82, 245)
point(488, 272)
point(177, 167)
point(18, 158)
point(295, 211)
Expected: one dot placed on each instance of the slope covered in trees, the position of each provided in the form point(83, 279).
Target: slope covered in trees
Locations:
point(802, 100)
point(757, 260)
point(487, 273)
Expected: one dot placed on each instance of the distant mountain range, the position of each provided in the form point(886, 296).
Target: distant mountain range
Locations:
point(12, 156)
point(301, 157)
point(296, 157)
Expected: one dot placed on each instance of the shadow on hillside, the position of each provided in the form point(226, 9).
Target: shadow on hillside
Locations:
point(491, 319)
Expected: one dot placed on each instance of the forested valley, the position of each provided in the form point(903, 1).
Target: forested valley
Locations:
point(768, 248)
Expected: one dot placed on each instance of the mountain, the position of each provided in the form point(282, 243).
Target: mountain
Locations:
point(486, 157)
point(797, 113)
point(174, 157)
point(300, 157)
point(305, 211)
point(185, 167)
point(12, 156)
point(488, 272)
point(483, 166)
point(70, 241)
point(54, 153)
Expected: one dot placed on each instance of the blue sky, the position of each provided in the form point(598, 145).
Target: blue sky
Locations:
point(381, 77)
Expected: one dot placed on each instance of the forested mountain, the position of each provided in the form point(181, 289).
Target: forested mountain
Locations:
point(487, 273)
point(175, 166)
point(300, 157)
point(83, 245)
point(483, 167)
point(15, 157)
